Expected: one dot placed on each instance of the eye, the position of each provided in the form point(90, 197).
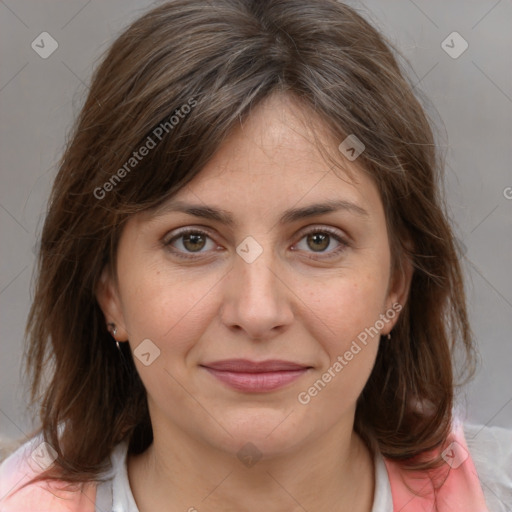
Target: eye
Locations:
point(320, 239)
point(193, 241)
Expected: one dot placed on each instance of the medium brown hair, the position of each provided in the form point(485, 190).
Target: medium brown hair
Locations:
point(226, 56)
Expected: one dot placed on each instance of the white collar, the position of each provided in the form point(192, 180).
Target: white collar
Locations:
point(115, 493)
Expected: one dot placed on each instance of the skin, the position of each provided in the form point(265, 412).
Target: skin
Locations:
point(297, 301)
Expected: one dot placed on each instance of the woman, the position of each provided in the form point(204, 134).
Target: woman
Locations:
point(248, 292)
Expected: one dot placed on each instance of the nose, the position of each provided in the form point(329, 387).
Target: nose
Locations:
point(256, 299)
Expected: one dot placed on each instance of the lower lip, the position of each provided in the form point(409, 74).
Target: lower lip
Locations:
point(257, 382)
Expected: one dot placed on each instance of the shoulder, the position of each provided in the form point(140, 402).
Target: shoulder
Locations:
point(20, 467)
point(477, 475)
point(491, 451)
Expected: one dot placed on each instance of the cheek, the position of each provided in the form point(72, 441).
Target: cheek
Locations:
point(348, 310)
point(347, 306)
point(165, 306)
point(172, 312)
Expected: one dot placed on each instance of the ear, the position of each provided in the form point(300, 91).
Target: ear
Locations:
point(109, 301)
point(398, 290)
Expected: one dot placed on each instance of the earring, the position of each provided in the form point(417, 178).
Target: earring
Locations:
point(112, 328)
point(113, 331)
point(388, 336)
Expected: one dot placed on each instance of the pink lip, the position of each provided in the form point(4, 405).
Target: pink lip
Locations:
point(253, 376)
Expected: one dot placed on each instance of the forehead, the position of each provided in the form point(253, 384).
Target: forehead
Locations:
point(271, 166)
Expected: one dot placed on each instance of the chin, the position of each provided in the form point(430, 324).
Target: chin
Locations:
point(269, 432)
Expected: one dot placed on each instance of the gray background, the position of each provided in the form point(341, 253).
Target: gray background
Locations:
point(471, 104)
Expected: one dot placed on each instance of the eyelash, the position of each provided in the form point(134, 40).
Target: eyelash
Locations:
point(188, 231)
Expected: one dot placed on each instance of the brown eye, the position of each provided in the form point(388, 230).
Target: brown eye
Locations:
point(193, 242)
point(320, 239)
point(185, 243)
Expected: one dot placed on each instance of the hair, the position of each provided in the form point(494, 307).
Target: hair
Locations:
point(221, 58)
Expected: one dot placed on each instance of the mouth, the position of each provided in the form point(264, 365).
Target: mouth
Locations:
point(252, 376)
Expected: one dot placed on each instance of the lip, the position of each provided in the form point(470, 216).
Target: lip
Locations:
point(248, 366)
point(256, 376)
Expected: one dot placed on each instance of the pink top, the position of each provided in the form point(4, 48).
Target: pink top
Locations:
point(461, 490)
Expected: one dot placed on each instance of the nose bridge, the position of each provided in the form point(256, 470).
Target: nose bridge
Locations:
point(255, 267)
point(257, 299)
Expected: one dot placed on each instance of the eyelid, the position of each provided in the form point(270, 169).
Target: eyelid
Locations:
point(176, 233)
point(321, 228)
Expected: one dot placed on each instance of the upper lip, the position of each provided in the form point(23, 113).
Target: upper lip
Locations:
point(247, 366)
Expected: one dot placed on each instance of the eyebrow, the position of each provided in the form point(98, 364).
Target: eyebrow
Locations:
point(289, 216)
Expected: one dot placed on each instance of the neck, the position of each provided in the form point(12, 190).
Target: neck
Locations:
point(334, 474)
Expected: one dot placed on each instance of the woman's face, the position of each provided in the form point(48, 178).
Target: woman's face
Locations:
point(273, 284)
